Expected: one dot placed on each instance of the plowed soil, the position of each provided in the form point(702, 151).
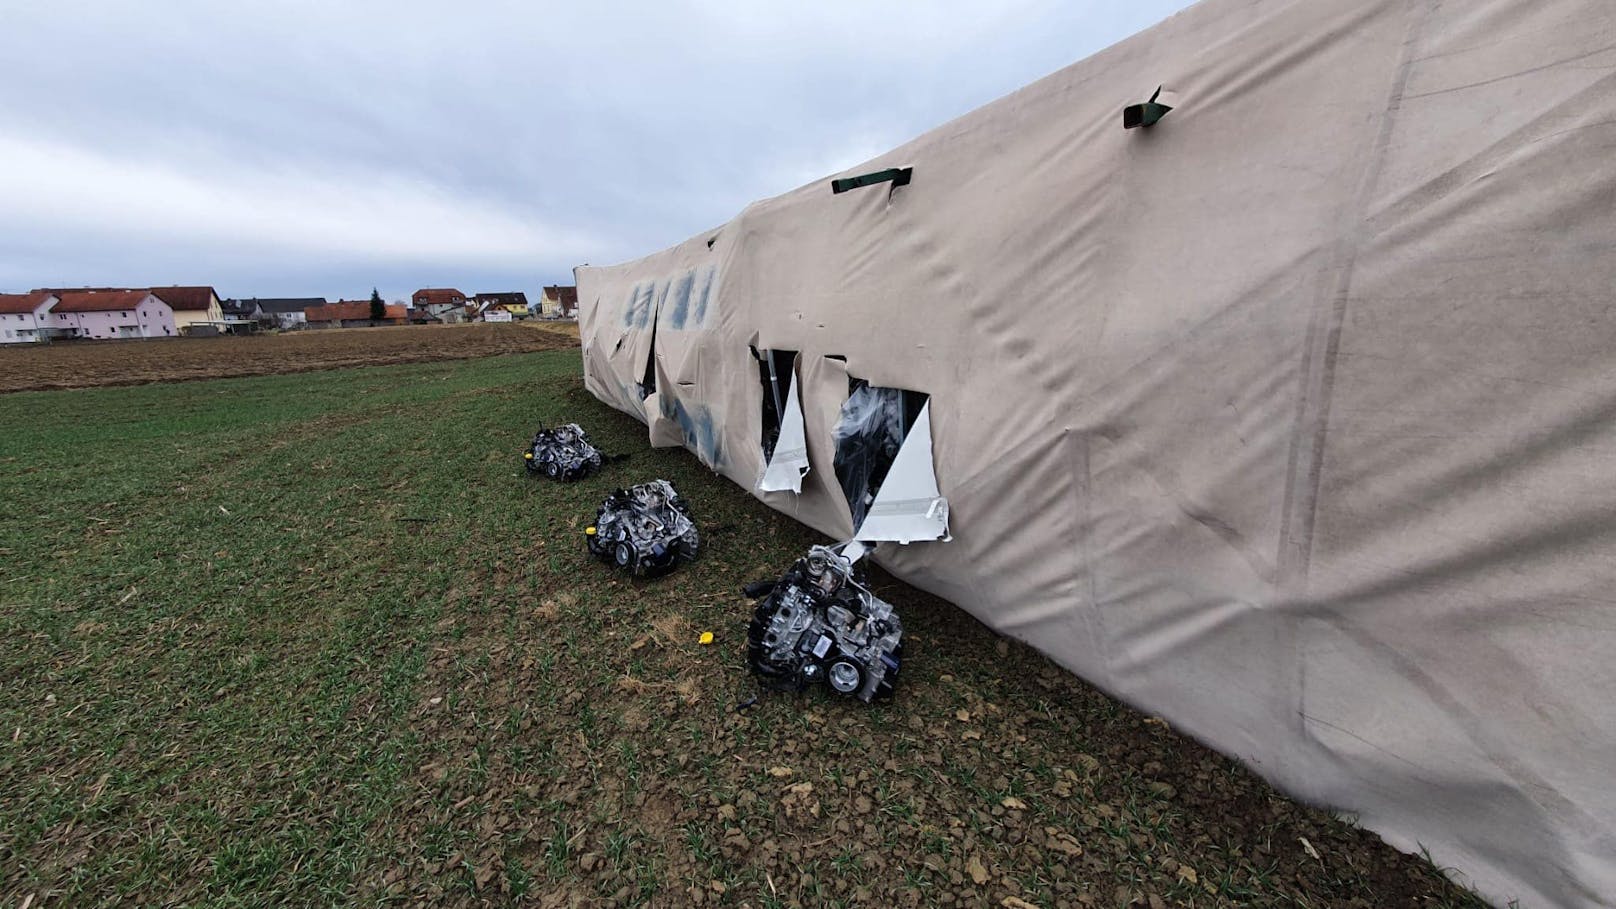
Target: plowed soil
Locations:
point(86, 364)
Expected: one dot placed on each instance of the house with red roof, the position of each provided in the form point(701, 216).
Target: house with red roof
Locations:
point(446, 303)
point(191, 307)
point(194, 307)
point(559, 300)
point(23, 315)
point(353, 314)
point(429, 295)
point(107, 314)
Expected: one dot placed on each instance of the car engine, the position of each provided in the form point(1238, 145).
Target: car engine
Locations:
point(644, 530)
point(820, 623)
point(563, 453)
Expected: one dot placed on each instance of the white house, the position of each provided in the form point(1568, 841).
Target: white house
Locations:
point(192, 307)
point(23, 315)
point(444, 312)
point(285, 313)
point(112, 314)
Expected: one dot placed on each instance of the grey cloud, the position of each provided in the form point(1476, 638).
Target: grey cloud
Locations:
point(315, 147)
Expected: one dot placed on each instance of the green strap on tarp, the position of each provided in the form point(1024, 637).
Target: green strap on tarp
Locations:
point(898, 175)
point(1144, 114)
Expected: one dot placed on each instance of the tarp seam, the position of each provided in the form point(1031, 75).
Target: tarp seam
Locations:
point(1323, 342)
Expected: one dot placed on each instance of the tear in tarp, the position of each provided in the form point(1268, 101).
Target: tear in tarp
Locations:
point(867, 439)
point(648, 379)
point(775, 370)
point(789, 462)
point(908, 507)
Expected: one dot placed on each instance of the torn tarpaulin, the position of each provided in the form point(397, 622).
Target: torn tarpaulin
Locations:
point(788, 460)
point(884, 463)
point(867, 439)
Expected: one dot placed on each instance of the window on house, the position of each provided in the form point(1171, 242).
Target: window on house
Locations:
point(884, 464)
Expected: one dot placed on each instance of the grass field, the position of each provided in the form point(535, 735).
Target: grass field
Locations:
point(317, 640)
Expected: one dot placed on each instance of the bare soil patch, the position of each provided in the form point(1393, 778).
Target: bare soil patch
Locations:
point(86, 364)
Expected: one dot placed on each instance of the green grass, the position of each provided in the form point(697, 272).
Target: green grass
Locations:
point(225, 589)
point(318, 640)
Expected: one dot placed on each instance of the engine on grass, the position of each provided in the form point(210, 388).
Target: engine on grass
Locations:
point(563, 453)
point(644, 530)
point(819, 623)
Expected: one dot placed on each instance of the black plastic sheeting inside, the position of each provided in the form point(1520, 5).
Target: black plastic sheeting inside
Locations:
point(874, 422)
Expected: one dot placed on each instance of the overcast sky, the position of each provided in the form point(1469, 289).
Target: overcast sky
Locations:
point(320, 147)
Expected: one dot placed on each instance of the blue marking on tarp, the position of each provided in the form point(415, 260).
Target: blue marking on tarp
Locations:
point(647, 304)
point(637, 311)
point(678, 300)
point(660, 306)
point(677, 303)
point(700, 431)
point(702, 293)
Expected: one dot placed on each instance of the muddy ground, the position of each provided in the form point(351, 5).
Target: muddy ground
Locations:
point(87, 364)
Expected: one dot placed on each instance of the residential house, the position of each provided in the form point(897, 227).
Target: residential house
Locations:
point(443, 312)
point(240, 317)
point(196, 309)
point(560, 301)
point(192, 307)
point(494, 312)
point(105, 314)
point(353, 314)
point(285, 313)
point(428, 296)
point(24, 317)
point(514, 302)
point(236, 310)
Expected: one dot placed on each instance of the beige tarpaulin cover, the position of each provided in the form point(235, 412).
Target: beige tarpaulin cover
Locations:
point(1291, 419)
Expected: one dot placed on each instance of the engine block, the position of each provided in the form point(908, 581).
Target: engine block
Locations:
point(819, 623)
point(644, 530)
point(563, 453)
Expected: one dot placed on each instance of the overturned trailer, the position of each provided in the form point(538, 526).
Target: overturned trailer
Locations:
point(1290, 418)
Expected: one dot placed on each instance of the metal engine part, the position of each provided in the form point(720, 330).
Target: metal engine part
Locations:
point(563, 453)
point(819, 623)
point(644, 530)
